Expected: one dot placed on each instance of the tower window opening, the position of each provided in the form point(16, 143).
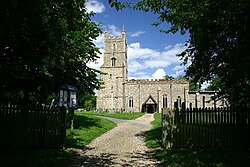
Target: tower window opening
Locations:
point(113, 61)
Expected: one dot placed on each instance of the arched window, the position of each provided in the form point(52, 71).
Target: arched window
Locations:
point(113, 47)
point(165, 101)
point(130, 102)
point(113, 61)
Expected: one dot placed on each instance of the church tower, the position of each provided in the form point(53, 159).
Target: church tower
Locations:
point(114, 73)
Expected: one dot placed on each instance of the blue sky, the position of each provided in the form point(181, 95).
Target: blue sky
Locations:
point(151, 54)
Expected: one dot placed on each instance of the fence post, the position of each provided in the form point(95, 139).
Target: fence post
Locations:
point(166, 128)
point(63, 127)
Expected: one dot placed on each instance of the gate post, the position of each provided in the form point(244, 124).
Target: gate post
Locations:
point(166, 128)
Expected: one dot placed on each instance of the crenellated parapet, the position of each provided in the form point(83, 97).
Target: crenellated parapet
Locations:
point(156, 81)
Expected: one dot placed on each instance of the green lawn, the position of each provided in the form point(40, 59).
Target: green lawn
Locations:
point(223, 157)
point(87, 128)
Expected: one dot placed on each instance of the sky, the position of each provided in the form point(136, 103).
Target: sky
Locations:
point(151, 54)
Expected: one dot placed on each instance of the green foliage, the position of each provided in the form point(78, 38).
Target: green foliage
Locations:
point(180, 77)
point(219, 40)
point(45, 44)
point(126, 116)
point(168, 77)
point(214, 84)
point(154, 136)
point(193, 86)
point(87, 101)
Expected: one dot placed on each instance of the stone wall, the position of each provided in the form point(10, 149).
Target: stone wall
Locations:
point(203, 99)
point(141, 90)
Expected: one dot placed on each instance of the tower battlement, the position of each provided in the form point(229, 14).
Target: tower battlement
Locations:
point(157, 81)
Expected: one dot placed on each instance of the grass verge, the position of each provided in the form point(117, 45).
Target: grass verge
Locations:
point(126, 116)
point(87, 128)
point(199, 157)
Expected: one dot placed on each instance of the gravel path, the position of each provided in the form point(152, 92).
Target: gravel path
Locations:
point(122, 146)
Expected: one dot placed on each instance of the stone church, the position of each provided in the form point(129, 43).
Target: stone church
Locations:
point(144, 95)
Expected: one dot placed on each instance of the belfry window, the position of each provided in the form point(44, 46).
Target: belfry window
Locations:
point(130, 102)
point(113, 61)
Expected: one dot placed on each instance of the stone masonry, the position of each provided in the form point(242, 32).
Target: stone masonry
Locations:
point(144, 95)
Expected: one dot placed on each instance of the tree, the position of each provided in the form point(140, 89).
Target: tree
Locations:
point(214, 84)
point(45, 44)
point(219, 40)
point(169, 77)
point(87, 101)
point(193, 86)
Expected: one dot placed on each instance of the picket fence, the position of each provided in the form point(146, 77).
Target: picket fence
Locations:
point(209, 127)
point(32, 127)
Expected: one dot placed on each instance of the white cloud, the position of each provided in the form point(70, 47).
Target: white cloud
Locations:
point(159, 74)
point(99, 41)
point(138, 33)
point(114, 31)
point(97, 64)
point(95, 6)
point(144, 58)
point(136, 52)
point(205, 85)
point(179, 70)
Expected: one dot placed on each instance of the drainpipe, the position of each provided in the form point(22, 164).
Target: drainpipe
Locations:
point(139, 97)
point(171, 97)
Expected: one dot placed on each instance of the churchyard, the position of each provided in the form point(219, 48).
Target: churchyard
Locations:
point(87, 127)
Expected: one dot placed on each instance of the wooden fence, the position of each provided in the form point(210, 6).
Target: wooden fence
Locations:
point(36, 127)
point(210, 127)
